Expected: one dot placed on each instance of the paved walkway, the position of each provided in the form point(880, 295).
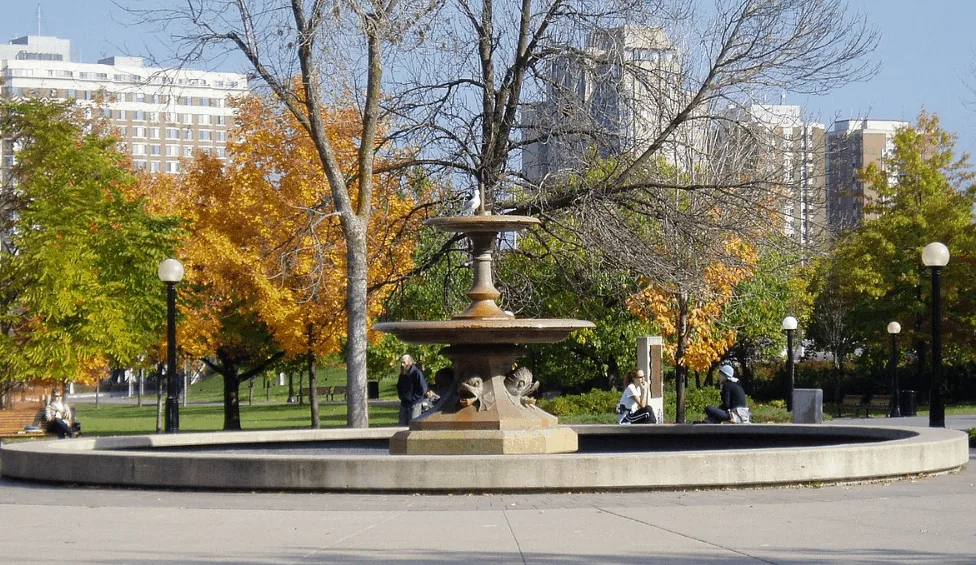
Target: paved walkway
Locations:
point(923, 520)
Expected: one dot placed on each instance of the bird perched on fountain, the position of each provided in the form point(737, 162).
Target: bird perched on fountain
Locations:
point(471, 206)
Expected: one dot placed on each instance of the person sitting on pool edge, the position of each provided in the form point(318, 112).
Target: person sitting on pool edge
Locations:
point(633, 408)
point(734, 408)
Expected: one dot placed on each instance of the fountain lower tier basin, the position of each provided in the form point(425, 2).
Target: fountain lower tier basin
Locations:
point(481, 331)
point(609, 458)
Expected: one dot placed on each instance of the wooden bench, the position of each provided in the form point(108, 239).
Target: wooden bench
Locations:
point(327, 392)
point(880, 402)
point(13, 423)
point(852, 401)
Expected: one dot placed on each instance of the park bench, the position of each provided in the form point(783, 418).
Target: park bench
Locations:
point(852, 401)
point(320, 390)
point(338, 390)
point(14, 423)
point(880, 402)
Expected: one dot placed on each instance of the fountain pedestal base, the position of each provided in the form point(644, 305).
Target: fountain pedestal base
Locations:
point(486, 412)
point(484, 442)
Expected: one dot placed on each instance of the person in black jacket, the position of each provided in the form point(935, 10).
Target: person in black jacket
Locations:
point(412, 390)
point(734, 408)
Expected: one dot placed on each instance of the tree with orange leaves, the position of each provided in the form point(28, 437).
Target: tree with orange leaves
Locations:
point(689, 315)
point(263, 248)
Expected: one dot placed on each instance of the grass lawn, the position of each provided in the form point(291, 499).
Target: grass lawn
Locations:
point(205, 412)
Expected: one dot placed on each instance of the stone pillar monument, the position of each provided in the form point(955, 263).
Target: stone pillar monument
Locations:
point(650, 359)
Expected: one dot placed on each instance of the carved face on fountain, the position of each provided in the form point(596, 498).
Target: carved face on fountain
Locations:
point(469, 390)
point(519, 384)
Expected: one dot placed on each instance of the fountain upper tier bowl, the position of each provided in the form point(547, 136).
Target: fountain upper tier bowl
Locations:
point(483, 331)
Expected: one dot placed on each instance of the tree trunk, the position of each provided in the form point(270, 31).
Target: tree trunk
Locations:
point(232, 385)
point(357, 415)
point(680, 369)
point(313, 393)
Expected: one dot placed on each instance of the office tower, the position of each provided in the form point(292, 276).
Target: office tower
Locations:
point(853, 145)
point(160, 115)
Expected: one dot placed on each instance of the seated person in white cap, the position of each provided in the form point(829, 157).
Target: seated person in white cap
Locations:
point(633, 408)
point(734, 408)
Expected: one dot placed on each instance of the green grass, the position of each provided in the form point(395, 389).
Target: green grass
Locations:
point(205, 412)
point(115, 419)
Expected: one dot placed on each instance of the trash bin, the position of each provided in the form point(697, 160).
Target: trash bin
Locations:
point(907, 406)
point(373, 390)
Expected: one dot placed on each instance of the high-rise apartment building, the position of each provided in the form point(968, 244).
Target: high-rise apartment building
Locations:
point(614, 96)
point(786, 153)
point(853, 145)
point(160, 115)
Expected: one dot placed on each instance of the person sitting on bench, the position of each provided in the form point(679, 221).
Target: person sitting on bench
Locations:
point(734, 408)
point(57, 417)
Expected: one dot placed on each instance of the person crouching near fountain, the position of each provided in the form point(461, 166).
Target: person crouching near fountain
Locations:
point(633, 408)
point(412, 390)
point(734, 408)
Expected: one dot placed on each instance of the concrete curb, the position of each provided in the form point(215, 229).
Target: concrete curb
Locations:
point(864, 453)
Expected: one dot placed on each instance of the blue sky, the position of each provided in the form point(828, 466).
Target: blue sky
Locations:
point(926, 54)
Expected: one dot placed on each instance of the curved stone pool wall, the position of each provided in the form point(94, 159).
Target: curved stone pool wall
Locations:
point(611, 457)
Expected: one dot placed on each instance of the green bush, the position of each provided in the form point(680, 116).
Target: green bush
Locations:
point(972, 437)
point(589, 403)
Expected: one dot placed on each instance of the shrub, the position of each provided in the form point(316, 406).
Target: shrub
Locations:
point(593, 402)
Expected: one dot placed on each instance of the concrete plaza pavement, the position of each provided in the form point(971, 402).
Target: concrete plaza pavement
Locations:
point(917, 520)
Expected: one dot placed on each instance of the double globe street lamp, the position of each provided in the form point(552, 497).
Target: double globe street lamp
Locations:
point(171, 272)
point(789, 326)
point(935, 256)
point(894, 328)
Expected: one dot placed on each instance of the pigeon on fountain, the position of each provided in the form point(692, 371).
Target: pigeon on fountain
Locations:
point(471, 206)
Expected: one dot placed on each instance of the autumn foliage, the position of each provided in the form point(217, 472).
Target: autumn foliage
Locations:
point(263, 236)
point(707, 338)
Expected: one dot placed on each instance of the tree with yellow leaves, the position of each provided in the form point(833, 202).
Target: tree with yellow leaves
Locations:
point(265, 249)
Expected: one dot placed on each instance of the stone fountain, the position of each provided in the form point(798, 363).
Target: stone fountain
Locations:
point(488, 409)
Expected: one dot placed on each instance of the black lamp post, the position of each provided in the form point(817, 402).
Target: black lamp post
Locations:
point(789, 326)
point(171, 272)
point(893, 329)
point(935, 256)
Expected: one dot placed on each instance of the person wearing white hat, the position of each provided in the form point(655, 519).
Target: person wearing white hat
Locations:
point(734, 408)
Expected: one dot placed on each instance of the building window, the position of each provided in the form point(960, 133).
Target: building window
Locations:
point(220, 120)
point(204, 119)
point(154, 133)
point(139, 165)
point(155, 150)
point(138, 148)
point(153, 117)
point(187, 118)
point(172, 167)
point(206, 135)
point(139, 131)
point(172, 150)
point(187, 133)
point(221, 136)
point(172, 133)
point(187, 150)
point(138, 115)
point(153, 166)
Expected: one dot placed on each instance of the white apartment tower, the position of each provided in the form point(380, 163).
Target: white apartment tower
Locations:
point(786, 153)
point(614, 96)
point(160, 115)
